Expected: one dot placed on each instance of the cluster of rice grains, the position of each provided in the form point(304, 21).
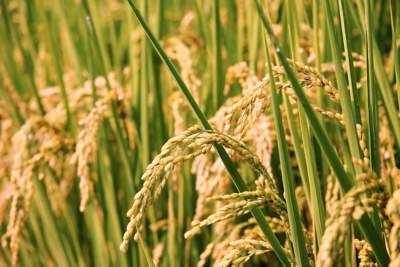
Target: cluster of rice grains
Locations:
point(87, 139)
point(237, 240)
point(351, 208)
point(43, 147)
point(38, 143)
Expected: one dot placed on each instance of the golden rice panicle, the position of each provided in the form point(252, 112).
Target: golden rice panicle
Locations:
point(309, 81)
point(6, 132)
point(224, 183)
point(5, 191)
point(264, 197)
point(177, 50)
point(243, 250)
point(243, 152)
point(311, 77)
point(87, 143)
point(365, 254)
point(229, 211)
point(157, 253)
point(219, 118)
point(238, 71)
point(21, 188)
point(247, 105)
point(206, 253)
point(47, 139)
point(164, 162)
point(231, 232)
point(363, 145)
point(347, 210)
point(332, 192)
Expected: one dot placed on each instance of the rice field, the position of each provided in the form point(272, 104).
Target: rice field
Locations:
point(199, 133)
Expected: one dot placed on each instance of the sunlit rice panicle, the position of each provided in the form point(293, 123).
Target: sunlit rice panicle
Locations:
point(157, 254)
point(199, 140)
point(238, 71)
point(232, 232)
point(203, 256)
point(386, 142)
point(50, 139)
point(219, 118)
point(365, 254)
point(163, 162)
point(228, 211)
point(311, 77)
point(242, 250)
point(247, 105)
point(87, 144)
point(363, 145)
point(276, 225)
point(6, 132)
point(332, 192)
point(177, 50)
point(264, 197)
point(5, 190)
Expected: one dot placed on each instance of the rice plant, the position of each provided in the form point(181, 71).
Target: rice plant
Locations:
point(199, 133)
